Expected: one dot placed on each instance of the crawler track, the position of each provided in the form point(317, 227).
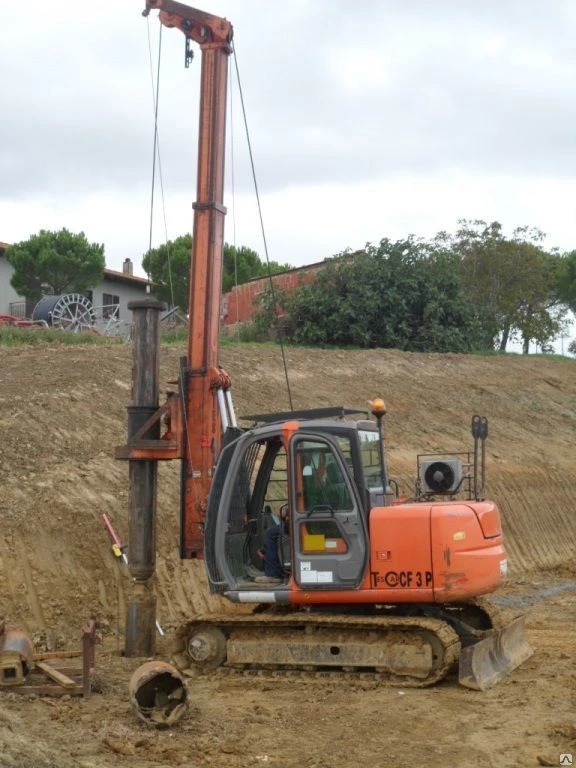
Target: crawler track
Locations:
point(407, 651)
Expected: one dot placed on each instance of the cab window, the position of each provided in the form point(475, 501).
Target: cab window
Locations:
point(320, 478)
point(370, 457)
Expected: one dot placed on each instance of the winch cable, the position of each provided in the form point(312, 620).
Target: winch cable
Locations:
point(253, 168)
point(156, 155)
point(233, 188)
point(155, 97)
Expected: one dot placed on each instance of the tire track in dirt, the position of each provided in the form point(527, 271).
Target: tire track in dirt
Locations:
point(13, 593)
point(32, 598)
point(538, 518)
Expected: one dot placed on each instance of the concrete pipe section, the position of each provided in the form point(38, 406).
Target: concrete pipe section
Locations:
point(15, 656)
point(158, 694)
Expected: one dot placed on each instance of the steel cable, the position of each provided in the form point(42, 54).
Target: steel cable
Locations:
point(256, 190)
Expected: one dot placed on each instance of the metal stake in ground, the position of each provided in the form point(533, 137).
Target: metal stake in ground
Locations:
point(118, 550)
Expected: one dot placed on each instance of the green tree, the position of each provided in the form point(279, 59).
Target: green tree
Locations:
point(566, 280)
point(512, 282)
point(55, 263)
point(541, 315)
point(403, 294)
point(243, 264)
point(169, 268)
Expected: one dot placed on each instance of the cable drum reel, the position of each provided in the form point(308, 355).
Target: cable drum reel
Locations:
point(71, 312)
point(441, 476)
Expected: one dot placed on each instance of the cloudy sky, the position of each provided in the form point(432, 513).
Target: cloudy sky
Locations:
point(368, 119)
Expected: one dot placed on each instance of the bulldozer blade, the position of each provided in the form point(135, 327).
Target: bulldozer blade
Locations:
point(491, 659)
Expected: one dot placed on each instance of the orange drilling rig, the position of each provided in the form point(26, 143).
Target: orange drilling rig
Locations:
point(368, 582)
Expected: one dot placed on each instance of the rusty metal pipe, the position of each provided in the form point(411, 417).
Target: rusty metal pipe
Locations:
point(158, 694)
point(141, 614)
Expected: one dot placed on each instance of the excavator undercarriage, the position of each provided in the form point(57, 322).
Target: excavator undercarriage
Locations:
point(394, 648)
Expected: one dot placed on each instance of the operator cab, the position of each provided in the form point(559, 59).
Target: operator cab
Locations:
point(328, 472)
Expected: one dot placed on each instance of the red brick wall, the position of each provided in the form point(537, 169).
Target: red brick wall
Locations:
point(238, 304)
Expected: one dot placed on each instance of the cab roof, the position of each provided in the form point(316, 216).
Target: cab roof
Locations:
point(313, 414)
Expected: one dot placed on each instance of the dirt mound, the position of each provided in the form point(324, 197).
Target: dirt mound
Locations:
point(63, 412)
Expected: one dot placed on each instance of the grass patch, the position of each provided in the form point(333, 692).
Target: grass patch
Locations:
point(553, 356)
point(228, 342)
point(174, 335)
point(179, 336)
point(248, 336)
point(531, 355)
point(12, 336)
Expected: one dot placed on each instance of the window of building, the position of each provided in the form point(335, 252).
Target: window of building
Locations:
point(110, 306)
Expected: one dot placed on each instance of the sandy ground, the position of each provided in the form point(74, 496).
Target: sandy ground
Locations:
point(62, 411)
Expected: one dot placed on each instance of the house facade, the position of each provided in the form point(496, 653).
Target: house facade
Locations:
point(109, 298)
point(8, 295)
point(117, 289)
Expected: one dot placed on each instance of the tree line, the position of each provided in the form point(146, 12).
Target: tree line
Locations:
point(475, 290)
point(169, 269)
point(472, 290)
point(52, 263)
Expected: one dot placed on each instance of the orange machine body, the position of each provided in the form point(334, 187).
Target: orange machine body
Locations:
point(440, 552)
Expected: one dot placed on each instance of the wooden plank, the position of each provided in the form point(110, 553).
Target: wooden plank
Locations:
point(74, 673)
point(56, 655)
point(55, 675)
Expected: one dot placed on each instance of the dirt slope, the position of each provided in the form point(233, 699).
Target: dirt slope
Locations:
point(62, 411)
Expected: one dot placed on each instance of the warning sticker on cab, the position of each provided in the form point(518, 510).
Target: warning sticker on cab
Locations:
point(308, 576)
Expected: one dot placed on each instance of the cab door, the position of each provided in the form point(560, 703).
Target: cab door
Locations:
point(329, 536)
